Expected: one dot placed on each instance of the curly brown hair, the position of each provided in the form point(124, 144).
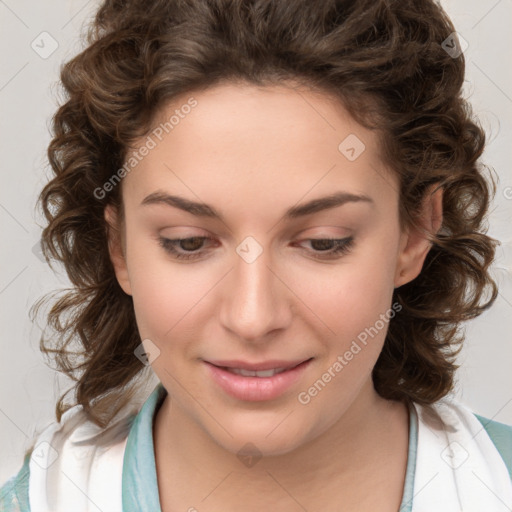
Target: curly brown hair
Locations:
point(384, 60)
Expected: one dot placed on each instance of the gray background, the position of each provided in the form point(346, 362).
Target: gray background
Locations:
point(27, 100)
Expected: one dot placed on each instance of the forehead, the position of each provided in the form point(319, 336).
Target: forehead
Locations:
point(264, 144)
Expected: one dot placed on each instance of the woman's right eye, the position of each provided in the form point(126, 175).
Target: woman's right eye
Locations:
point(190, 245)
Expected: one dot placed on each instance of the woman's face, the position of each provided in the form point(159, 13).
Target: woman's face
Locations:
point(245, 174)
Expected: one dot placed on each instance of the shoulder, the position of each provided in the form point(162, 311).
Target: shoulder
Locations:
point(14, 492)
point(501, 436)
point(498, 434)
point(72, 446)
point(455, 419)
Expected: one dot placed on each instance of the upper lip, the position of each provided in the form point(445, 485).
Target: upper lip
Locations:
point(263, 365)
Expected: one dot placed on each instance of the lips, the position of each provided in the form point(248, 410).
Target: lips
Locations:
point(247, 381)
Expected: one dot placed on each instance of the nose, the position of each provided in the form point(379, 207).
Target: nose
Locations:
point(256, 302)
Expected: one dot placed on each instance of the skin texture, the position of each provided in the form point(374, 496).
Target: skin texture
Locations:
point(252, 153)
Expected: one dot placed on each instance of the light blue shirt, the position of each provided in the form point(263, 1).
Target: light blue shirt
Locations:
point(139, 479)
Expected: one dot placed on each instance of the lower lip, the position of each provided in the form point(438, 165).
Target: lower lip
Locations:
point(253, 389)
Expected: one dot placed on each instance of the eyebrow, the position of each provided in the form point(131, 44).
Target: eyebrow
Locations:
point(301, 210)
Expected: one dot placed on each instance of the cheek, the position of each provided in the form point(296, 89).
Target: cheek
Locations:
point(349, 297)
point(164, 293)
point(356, 305)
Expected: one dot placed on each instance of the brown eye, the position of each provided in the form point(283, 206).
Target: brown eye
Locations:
point(184, 248)
point(330, 247)
point(191, 244)
point(322, 244)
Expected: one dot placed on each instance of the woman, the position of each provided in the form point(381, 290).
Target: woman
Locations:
point(278, 208)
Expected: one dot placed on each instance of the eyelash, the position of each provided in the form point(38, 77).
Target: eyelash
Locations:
point(342, 246)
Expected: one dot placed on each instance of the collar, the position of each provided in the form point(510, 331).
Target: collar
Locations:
point(140, 484)
point(140, 487)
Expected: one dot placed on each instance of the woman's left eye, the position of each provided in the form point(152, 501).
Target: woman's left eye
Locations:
point(331, 247)
point(190, 248)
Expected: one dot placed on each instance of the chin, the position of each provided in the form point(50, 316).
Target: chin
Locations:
point(263, 437)
point(260, 446)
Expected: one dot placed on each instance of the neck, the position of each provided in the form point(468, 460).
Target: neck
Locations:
point(372, 432)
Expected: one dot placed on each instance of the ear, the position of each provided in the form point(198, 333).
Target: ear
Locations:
point(414, 245)
point(116, 248)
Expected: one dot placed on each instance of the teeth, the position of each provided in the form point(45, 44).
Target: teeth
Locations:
point(251, 373)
